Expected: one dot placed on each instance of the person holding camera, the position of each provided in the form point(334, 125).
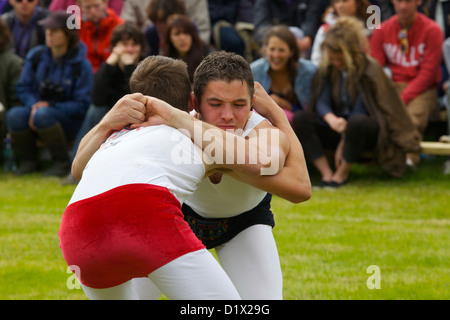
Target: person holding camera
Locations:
point(54, 88)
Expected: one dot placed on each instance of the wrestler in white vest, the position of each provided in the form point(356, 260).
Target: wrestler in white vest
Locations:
point(144, 161)
point(213, 200)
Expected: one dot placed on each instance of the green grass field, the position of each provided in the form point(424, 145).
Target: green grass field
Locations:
point(326, 244)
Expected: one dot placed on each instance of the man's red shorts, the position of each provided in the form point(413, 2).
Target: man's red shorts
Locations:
point(124, 233)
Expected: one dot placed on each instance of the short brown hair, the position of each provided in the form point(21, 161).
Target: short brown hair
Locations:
point(163, 78)
point(222, 66)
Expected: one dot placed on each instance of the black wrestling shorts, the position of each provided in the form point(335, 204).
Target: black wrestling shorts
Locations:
point(217, 231)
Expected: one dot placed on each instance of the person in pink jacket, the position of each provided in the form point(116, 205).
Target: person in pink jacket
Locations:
point(410, 45)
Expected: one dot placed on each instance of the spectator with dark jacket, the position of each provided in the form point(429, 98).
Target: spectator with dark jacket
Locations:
point(23, 24)
point(54, 88)
point(224, 15)
point(303, 16)
point(439, 11)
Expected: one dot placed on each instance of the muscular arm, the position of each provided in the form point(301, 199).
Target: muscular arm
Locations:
point(263, 153)
point(292, 181)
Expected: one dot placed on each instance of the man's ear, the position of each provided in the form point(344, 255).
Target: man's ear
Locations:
point(193, 103)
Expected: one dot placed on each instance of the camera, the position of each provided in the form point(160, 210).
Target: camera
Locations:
point(50, 91)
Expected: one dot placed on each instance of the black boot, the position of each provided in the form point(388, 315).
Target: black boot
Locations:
point(24, 144)
point(55, 141)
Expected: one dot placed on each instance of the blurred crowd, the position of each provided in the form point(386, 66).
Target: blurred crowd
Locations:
point(356, 78)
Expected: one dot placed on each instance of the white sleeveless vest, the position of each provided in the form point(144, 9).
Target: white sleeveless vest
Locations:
point(157, 155)
point(229, 197)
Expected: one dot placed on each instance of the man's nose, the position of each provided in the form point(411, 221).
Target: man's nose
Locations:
point(227, 112)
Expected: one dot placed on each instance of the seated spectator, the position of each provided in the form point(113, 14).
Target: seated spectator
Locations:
point(23, 24)
point(410, 44)
point(282, 73)
point(197, 10)
point(10, 68)
point(339, 8)
point(439, 11)
point(54, 88)
point(158, 11)
point(97, 24)
point(224, 15)
point(182, 41)
point(303, 16)
point(355, 108)
point(111, 79)
point(55, 5)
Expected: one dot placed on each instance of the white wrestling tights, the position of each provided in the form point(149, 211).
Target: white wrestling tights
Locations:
point(251, 261)
point(193, 276)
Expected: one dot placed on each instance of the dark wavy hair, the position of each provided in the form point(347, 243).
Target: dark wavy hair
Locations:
point(198, 48)
point(283, 33)
point(222, 66)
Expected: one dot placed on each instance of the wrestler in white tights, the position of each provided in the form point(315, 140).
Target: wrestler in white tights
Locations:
point(251, 261)
point(193, 276)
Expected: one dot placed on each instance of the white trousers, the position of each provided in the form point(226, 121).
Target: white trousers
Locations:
point(193, 276)
point(250, 260)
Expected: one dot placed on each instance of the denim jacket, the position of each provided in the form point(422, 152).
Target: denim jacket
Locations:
point(302, 84)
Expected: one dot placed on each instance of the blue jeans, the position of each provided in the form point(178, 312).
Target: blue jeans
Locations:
point(93, 116)
point(17, 120)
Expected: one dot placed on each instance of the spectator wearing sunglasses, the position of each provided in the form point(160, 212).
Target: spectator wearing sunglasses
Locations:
point(22, 21)
point(410, 45)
